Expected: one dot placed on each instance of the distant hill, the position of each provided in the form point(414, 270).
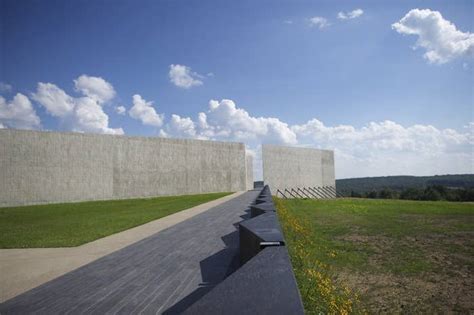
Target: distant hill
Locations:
point(399, 183)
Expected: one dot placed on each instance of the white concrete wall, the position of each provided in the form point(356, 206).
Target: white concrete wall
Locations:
point(327, 168)
point(249, 166)
point(45, 167)
point(290, 167)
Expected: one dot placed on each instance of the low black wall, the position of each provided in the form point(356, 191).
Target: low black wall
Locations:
point(265, 282)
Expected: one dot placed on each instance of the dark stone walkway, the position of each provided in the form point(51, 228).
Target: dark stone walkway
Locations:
point(164, 273)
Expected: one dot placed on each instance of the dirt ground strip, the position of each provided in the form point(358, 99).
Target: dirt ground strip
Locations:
point(445, 284)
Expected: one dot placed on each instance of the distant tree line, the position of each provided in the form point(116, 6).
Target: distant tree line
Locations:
point(433, 192)
point(439, 187)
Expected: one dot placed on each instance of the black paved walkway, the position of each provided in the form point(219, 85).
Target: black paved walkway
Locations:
point(164, 273)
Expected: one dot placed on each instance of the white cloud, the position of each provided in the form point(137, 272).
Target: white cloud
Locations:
point(5, 88)
point(89, 117)
point(224, 121)
point(81, 114)
point(288, 22)
point(350, 15)
point(388, 148)
point(121, 110)
point(183, 77)
point(181, 127)
point(18, 113)
point(319, 22)
point(95, 88)
point(54, 99)
point(440, 38)
point(2, 126)
point(144, 111)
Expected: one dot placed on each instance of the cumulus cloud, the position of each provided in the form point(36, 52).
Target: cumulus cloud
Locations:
point(388, 148)
point(145, 112)
point(95, 87)
point(5, 88)
point(350, 15)
point(181, 127)
point(55, 100)
point(81, 114)
point(183, 77)
point(440, 38)
point(225, 121)
point(121, 110)
point(18, 113)
point(89, 117)
point(319, 22)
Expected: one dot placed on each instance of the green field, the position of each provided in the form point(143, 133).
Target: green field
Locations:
point(381, 256)
point(73, 224)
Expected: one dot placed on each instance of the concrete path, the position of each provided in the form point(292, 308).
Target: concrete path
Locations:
point(164, 273)
point(24, 269)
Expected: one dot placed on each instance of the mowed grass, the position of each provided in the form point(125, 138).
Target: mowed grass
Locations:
point(73, 224)
point(381, 256)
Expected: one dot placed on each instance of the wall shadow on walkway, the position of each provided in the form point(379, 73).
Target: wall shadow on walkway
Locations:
point(214, 269)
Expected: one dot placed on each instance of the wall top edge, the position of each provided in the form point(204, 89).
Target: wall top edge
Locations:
point(272, 146)
point(91, 135)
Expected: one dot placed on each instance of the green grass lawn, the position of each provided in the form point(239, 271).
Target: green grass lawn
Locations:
point(73, 224)
point(381, 256)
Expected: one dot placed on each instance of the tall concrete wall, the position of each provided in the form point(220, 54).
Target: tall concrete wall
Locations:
point(43, 167)
point(289, 167)
point(249, 165)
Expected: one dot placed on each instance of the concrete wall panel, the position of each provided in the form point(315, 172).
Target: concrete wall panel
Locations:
point(44, 167)
point(290, 167)
point(249, 166)
point(328, 171)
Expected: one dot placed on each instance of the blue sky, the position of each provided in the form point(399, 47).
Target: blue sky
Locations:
point(270, 60)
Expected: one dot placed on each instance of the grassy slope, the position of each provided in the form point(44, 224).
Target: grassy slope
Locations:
point(72, 224)
point(342, 248)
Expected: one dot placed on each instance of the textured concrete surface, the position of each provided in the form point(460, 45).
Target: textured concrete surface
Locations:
point(43, 167)
point(249, 171)
point(24, 269)
point(289, 167)
point(166, 272)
